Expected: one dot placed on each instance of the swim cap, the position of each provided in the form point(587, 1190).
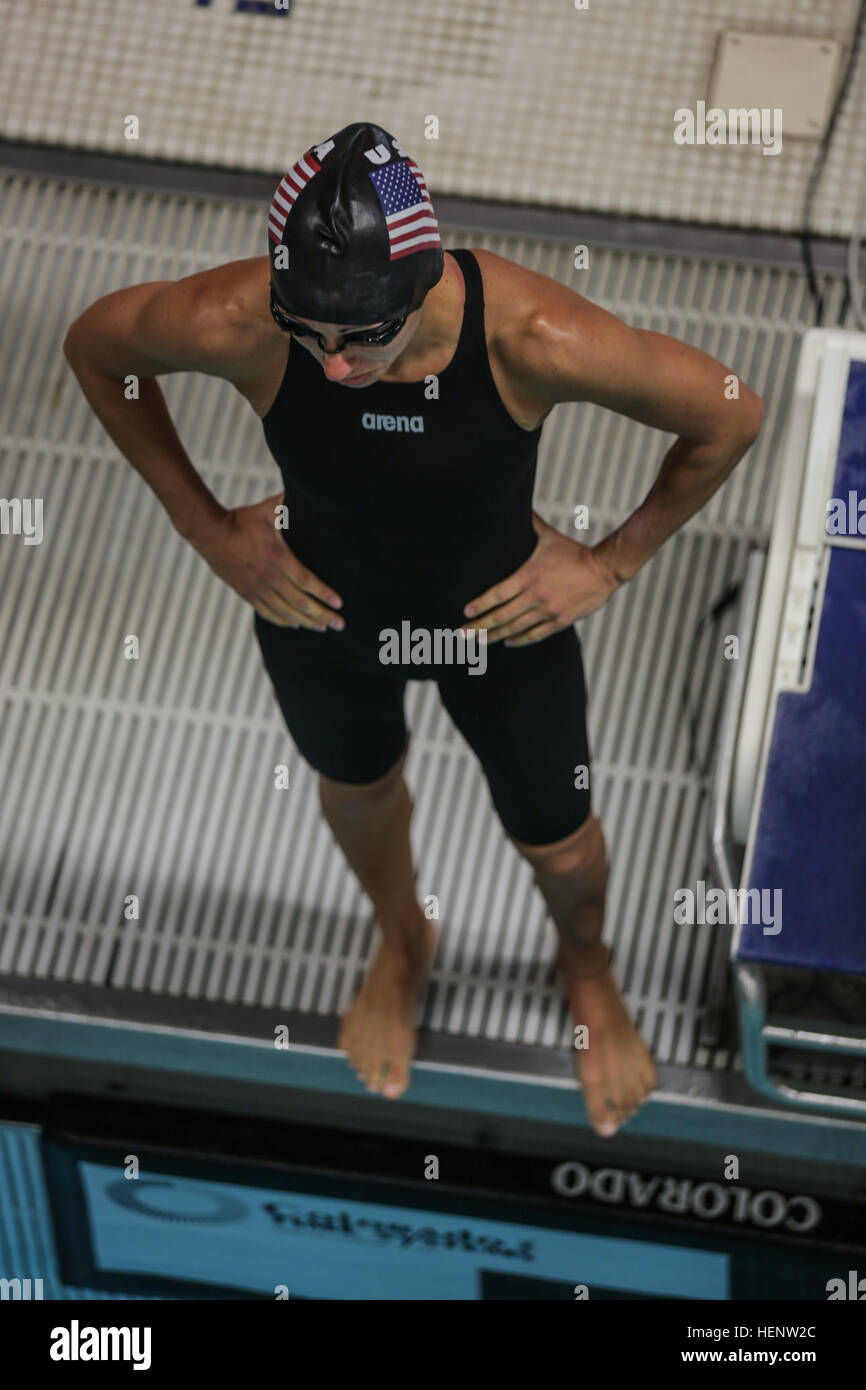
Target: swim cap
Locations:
point(355, 222)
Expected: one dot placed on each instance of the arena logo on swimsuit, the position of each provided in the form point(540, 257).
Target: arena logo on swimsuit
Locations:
point(403, 424)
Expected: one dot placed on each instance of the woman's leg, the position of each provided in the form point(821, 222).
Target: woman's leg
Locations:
point(347, 721)
point(525, 718)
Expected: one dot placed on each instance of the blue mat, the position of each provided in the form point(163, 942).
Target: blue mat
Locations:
point(811, 838)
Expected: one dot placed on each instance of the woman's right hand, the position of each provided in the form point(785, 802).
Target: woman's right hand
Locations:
point(247, 551)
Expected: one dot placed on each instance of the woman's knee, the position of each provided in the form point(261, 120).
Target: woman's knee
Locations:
point(347, 796)
point(581, 851)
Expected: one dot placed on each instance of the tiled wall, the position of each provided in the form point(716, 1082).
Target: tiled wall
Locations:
point(537, 101)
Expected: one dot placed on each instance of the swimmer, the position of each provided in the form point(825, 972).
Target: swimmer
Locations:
point(402, 390)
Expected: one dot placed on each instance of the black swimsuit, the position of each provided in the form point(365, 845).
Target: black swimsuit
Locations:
point(409, 507)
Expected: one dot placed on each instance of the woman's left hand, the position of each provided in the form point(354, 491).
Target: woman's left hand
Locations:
point(561, 581)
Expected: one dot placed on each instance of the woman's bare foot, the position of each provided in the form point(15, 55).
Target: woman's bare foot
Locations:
point(378, 1031)
point(615, 1068)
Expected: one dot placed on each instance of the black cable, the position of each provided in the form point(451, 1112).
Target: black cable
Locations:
point(818, 166)
point(723, 602)
point(844, 306)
